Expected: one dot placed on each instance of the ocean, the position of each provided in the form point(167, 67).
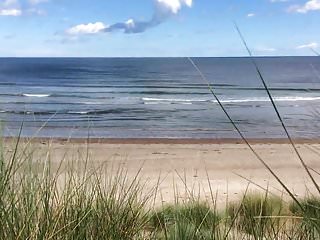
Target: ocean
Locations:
point(158, 97)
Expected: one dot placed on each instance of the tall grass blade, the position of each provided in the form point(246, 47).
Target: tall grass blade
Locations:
point(276, 109)
point(10, 171)
point(257, 185)
point(244, 139)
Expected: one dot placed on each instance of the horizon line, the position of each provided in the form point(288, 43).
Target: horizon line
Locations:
point(267, 56)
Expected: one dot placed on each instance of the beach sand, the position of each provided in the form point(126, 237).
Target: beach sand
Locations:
point(225, 169)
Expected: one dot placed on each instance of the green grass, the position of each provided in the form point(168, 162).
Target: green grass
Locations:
point(191, 220)
point(255, 214)
point(34, 204)
point(310, 216)
point(38, 202)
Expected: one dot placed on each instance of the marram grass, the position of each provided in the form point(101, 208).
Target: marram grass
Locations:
point(39, 203)
point(34, 204)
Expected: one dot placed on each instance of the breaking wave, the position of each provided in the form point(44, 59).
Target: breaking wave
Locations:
point(36, 95)
point(228, 101)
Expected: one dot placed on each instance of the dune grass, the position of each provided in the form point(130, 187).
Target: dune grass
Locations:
point(38, 202)
point(255, 214)
point(310, 216)
point(190, 220)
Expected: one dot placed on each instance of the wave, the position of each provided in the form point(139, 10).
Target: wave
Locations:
point(20, 112)
point(92, 103)
point(173, 100)
point(36, 95)
point(79, 112)
point(295, 99)
point(245, 100)
point(163, 100)
point(155, 103)
point(277, 99)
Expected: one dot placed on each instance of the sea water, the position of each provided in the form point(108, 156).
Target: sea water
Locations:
point(158, 97)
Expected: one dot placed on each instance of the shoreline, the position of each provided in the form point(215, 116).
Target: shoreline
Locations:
point(173, 141)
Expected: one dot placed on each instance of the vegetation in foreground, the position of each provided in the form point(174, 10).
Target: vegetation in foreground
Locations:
point(39, 203)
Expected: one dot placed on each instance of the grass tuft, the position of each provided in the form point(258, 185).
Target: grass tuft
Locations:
point(192, 220)
point(310, 216)
point(36, 204)
point(254, 215)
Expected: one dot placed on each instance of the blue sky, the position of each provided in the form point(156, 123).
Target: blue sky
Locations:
point(152, 28)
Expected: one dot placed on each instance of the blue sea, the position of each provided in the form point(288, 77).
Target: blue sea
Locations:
point(158, 97)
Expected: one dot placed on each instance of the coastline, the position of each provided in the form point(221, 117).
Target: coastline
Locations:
point(174, 141)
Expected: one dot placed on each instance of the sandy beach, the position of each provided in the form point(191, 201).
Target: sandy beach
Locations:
point(182, 167)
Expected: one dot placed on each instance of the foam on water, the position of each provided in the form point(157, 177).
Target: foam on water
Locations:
point(245, 100)
point(80, 112)
point(172, 100)
point(36, 95)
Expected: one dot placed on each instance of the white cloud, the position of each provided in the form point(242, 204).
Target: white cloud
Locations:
point(174, 5)
point(163, 10)
point(10, 12)
point(311, 5)
point(90, 28)
point(250, 15)
point(310, 45)
point(13, 8)
point(10, 8)
point(130, 23)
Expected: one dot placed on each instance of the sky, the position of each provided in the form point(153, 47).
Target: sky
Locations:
point(158, 28)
